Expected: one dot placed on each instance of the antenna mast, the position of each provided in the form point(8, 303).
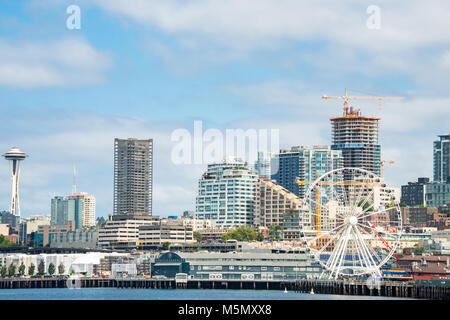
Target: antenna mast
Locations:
point(74, 185)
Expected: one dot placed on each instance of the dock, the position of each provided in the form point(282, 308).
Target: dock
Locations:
point(336, 287)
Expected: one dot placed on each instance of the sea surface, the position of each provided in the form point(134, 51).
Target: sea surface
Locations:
point(168, 294)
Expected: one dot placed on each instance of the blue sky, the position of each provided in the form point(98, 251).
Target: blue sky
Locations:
point(145, 68)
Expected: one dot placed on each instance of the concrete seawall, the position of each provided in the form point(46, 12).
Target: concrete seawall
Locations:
point(385, 289)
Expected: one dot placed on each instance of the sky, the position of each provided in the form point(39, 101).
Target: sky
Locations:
point(144, 69)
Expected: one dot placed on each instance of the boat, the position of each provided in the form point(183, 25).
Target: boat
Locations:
point(285, 290)
point(312, 291)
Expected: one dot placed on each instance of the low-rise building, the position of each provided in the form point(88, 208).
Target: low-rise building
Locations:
point(122, 231)
point(437, 194)
point(48, 232)
point(79, 238)
point(214, 234)
point(123, 269)
point(254, 265)
point(152, 235)
point(438, 247)
point(426, 267)
point(417, 216)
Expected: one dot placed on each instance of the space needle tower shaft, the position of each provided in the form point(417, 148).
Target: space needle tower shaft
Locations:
point(15, 156)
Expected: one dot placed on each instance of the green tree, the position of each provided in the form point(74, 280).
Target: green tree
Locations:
point(418, 250)
point(61, 268)
point(51, 269)
point(41, 268)
point(366, 205)
point(4, 242)
point(100, 222)
point(402, 205)
point(242, 233)
point(165, 245)
point(275, 232)
point(31, 269)
point(11, 270)
point(198, 236)
point(3, 271)
point(22, 269)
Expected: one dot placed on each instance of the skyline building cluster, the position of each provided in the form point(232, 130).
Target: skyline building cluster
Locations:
point(229, 191)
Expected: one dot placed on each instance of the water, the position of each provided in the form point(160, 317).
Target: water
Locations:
point(167, 294)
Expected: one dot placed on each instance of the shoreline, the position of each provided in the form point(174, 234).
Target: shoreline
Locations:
point(343, 288)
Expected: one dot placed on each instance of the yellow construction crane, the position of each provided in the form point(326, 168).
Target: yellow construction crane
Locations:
point(347, 97)
point(382, 166)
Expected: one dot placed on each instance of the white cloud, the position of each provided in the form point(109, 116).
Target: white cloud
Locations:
point(58, 63)
point(333, 36)
point(404, 24)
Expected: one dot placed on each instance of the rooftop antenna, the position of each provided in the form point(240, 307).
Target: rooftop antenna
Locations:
point(74, 186)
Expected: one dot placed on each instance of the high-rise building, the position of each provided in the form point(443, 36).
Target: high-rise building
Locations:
point(441, 159)
point(357, 137)
point(133, 172)
point(304, 164)
point(227, 193)
point(87, 207)
point(15, 156)
point(64, 210)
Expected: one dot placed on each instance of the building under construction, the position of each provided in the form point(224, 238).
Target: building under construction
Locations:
point(357, 137)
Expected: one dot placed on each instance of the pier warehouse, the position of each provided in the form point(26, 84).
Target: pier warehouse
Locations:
point(257, 265)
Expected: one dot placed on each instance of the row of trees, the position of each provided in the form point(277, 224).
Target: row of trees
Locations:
point(12, 268)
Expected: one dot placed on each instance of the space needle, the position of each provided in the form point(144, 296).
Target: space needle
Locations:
point(15, 156)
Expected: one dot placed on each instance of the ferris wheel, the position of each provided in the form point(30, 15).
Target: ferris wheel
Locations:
point(355, 223)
